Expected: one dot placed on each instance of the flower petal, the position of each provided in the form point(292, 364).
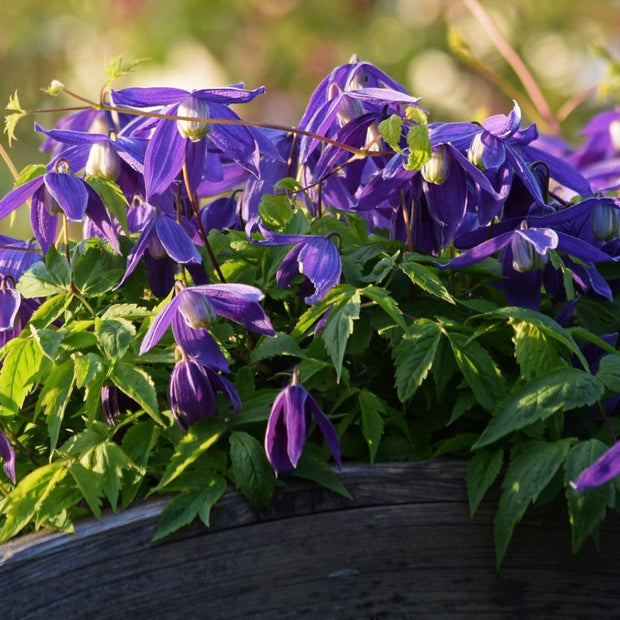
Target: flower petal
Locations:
point(69, 192)
point(603, 469)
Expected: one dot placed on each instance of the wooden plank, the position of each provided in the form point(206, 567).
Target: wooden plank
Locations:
point(404, 547)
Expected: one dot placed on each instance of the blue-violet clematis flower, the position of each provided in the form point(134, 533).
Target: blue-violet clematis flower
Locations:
point(7, 452)
point(174, 144)
point(196, 306)
point(192, 392)
point(603, 469)
point(289, 424)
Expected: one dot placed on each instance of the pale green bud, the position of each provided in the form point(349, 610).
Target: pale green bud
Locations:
point(437, 168)
point(476, 150)
point(193, 108)
point(605, 221)
point(614, 134)
point(196, 309)
point(103, 161)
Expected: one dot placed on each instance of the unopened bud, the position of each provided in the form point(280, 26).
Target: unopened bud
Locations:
point(103, 161)
point(193, 107)
point(476, 151)
point(524, 255)
point(437, 168)
point(196, 309)
point(605, 221)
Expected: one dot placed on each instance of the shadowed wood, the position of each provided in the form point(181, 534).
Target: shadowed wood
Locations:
point(405, 547)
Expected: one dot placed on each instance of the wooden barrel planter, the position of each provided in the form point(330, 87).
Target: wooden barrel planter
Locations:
point(404, 547)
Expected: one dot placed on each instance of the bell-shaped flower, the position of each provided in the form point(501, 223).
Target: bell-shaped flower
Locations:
point(8, 454)
point(196, 306)
point(290, 423)
point(175, 143)
point(192, 392)
point(603, 469)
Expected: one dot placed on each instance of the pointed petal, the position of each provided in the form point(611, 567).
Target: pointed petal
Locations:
point(175, 240)
point(138, 250)
point(502, 126)
point(10, 301)
point(327, 429)
point(276, 436)
point(481, 251)
point(198, 343)
point(295, 421)
point(160, 325)
point(148, 97)
point(603, 469)
point(319, 260)
point(8, 456)
point(226, 386)
point(69, 192)
point(228, 95)
point(19, 196)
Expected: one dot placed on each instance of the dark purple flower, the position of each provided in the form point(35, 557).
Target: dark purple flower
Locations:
point(8, 455)
point(603, 469)
point(174, 144)
point(192, 391)
point(10, 300)
point(197, 306)
point(289, 424)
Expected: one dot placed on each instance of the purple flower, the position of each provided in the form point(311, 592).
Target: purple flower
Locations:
point(289, 424)
point(192, 389)
point(8, 455)
point(603, 469)
point(10, 300)
point(196, 306)
point(314, 256)
point(174, 144)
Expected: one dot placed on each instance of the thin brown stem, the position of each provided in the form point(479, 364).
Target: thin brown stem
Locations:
point(515, 61)
point(9, 162)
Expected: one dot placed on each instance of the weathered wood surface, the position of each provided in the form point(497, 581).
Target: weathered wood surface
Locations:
point(405, 547)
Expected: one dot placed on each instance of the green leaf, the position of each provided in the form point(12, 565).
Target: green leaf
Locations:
point(184, 508)
point(419, 147)
point(115, 336)
point(255, 408)
point(87, 367)
point(531, 470)
point(482, 470)
point(609, 372)
point(479, 370)
point(312, 467)
point(48, 339)
point(28, 495)
point(426, 279)
point(11, 120)
point(198, 439)
point(98, 269)
point(46, 278)
point(138, 384)
point(49, 310)
point(253, 474)
point(587, 509)
point(118, 67)
point(337, 296)
point(391, 130)
point(89, 485)
point(17, 374)
point(282, 344)
point(110, 461)
point(564, 388)
point(536, 352)
point(339, 327)
point(275, 211)
point(113, 198)
point(386, 302)
point(54, 398)
point(413, 357)
point(29, 172)
point(373, 411)
point(546, 325)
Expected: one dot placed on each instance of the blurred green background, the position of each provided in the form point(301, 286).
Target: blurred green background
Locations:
point(289, 45)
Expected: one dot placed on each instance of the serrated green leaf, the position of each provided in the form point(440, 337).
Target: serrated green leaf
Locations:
point(136, 383)
point(87, 367)
point(535, 352)
point(253, 474)
point(340, 294)
point(110, 461)
point(115, 336)
point(29, 172)
point(338, 328)
point(587, 509)
point(275, 211)
point(113, 198)
point(426, 279)
point(118, 67)
point(88, 484)
point(11, 120)
point(373, 411)
point(479, 370)
point(482, 470)
point(391, 130)
point(413, 357)
point(564, 388)
point(184, 508)
point(48, 339)
point(48, 278)
point(529, 472)
point(54, 398)
point(26, 498)
point(126, 311)
point(198, 439)
point(281, 344)
point(386, 302)
point(19, 368)
point(419, 147)
point(609, 372)
point(97, 270)
point(49, 310)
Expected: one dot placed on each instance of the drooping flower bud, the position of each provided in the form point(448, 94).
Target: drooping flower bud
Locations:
point(476, 150)
point(196, 309)
point(524, 255)
point(103, 161)
point(436, 169)
point(193, 108)
point(605, 221)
